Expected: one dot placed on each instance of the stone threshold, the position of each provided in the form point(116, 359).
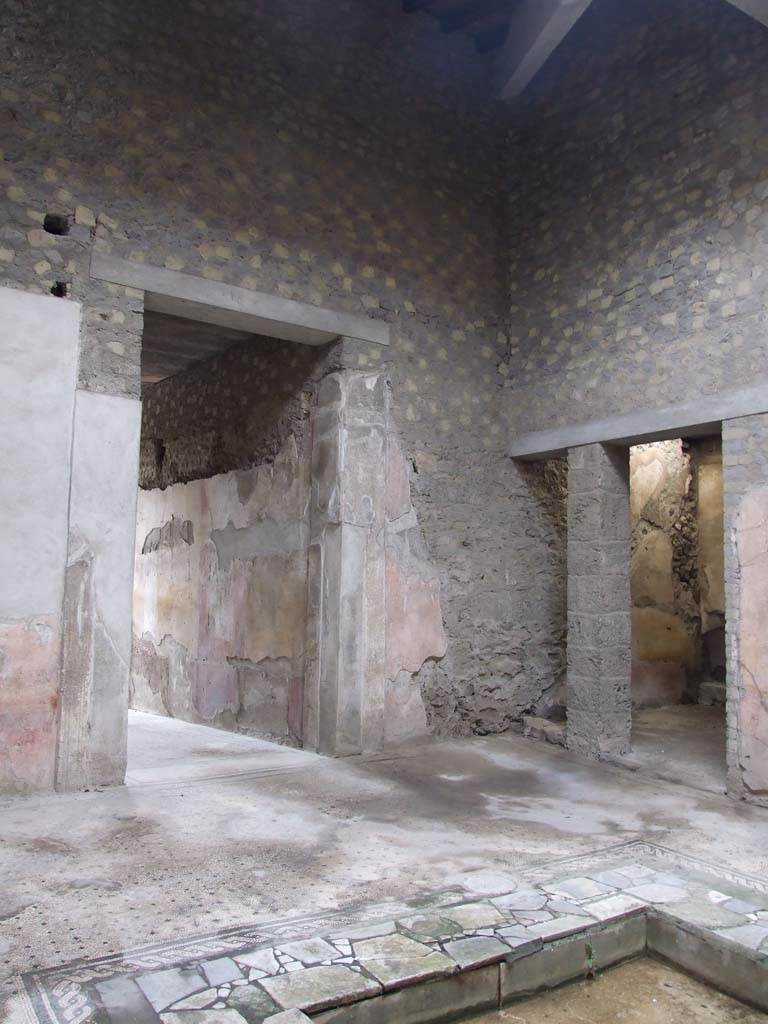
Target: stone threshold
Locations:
point(434, 959)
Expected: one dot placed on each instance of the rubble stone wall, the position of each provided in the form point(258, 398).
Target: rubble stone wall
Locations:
point(639, 211)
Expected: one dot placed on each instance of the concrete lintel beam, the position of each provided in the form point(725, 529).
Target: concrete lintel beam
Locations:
point(757, 9)
point(702, 416)
point(196, 298)
point(537, 28)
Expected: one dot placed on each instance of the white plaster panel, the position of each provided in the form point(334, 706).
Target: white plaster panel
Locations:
point(38, 364)
point(105, 474)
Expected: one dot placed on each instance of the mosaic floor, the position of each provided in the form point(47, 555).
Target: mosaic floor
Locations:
point(248, 974)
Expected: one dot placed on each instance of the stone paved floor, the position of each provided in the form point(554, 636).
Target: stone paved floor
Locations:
point(221, 831)
point(597, 904)
point(684, 744)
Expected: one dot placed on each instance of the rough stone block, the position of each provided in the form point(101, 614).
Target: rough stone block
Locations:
point(443, 999)
point(740, 972)
point(551, 966)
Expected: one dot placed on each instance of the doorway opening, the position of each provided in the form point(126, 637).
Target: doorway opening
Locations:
point(220, 580)
point(677, 586)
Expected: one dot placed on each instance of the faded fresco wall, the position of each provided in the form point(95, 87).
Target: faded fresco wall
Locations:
point(220, 598)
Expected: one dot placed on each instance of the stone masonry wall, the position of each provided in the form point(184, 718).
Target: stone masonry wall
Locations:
point(230, 412)
point(599, 697)
point(341, 154)
point(639, 213)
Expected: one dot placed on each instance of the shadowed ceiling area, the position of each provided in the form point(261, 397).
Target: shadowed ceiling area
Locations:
point(172, 343)
point(487, 21)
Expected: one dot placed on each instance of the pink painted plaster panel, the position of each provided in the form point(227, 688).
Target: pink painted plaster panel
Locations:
point(30, 654)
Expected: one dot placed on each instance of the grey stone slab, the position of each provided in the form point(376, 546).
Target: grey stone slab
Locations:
point(754, 936)
point(706, 914)
point(476, 951)
point(546, 968)
point(656, 892)
point(385, 947)
point(526, 899)
point(580, 888)
point(701, 416)
point(636, 872)
point(732, 968)
point(614, 942)
point(365, 931)
point(288, 1017)
point(519, 938)
point(526, 917)
point(474, 915)
point(398, 960)
point(221, 970)
point(428, 926)
point(124, 1002)
point(262, 959)
point(442, 999)
point(668, 878)
point(615, 906)
point(395, 972)
point(216, 1015)
point(615, 879)
point(318, 988)
point(739, 906)
point(252, 1002)
point(558, 927)
point(310, 951)
point(165, 987)
point(558, 906)
point(488, 883)
point(199, 1001)
point(197, 298)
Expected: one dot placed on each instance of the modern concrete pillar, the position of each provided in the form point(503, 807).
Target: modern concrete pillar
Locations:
point(599, 616)
point(745, 482)
point(345, 654)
